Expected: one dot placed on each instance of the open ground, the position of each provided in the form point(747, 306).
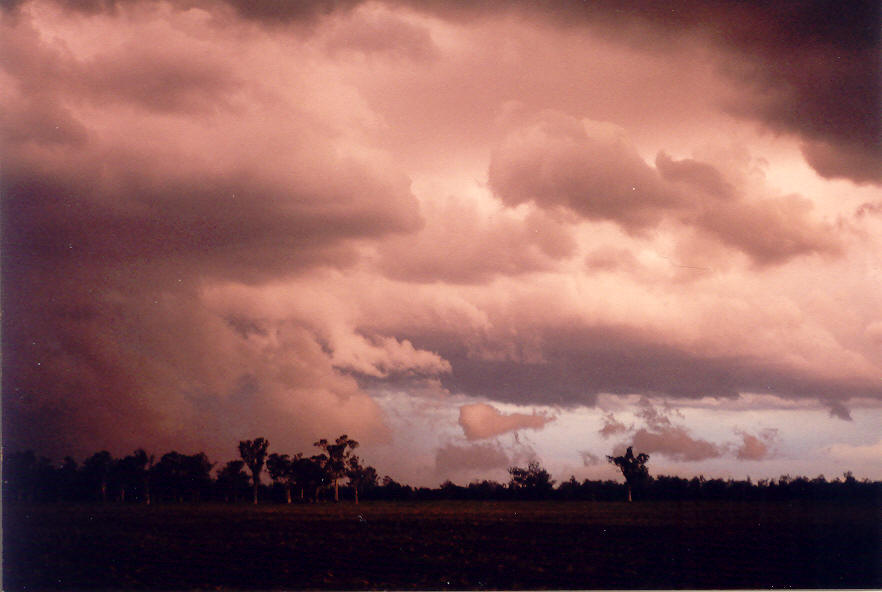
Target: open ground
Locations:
point(435, 545)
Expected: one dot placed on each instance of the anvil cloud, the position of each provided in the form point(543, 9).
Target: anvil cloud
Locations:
point(428, 223)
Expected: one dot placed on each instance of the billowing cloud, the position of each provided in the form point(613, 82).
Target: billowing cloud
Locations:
point(592, 169)
point(161, 166)
point(588, 167)
point(459, 244)
point(479, 421)
point(226, 219)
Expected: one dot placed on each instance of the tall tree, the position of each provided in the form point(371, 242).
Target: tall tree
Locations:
point(336, 458)
point(360, 477)
point(253, 452)
point(281, 470)
point(632, 467)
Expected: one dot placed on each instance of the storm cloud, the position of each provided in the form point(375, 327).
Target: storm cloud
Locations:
point(227, 219)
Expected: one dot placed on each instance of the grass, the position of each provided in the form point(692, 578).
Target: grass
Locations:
point(434, 545)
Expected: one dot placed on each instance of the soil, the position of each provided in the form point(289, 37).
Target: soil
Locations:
point(437, 545)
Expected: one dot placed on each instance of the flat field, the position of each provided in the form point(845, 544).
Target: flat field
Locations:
point(437, 545)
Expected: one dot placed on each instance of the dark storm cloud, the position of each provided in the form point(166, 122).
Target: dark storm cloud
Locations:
point(126, 189)
point(282, 11)
point(112, 195)
point(808, 68)
point(575, 363)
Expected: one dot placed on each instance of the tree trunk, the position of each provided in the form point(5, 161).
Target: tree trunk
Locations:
point(287, 494)
point(629, 493)
point(103, 491)
point(356, 495)
point(336, 492)
point(255, 492)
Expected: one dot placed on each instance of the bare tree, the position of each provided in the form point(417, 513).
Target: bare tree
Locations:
point(336, 458)
point(632, 467)
point(253, 452)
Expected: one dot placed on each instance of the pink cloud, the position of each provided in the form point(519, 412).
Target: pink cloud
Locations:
point(587, 167)
point(612, 426)
point(259, 217)
point(479, 421)
point(676, 443)
point(756, 447)
point(461, 245)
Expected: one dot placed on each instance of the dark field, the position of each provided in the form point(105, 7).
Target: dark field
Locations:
point(443, 545)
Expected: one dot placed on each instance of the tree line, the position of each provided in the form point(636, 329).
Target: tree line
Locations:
point(336, 473)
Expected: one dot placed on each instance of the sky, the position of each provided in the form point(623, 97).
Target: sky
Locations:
point(467, 234)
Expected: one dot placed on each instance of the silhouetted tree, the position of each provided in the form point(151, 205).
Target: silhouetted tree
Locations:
point(533, 482)
point(360, 477)
point(392, 489)
point(335, 459)
point(177, 474)
point(632, 467)
point(232, 480)
point(309, 475)
point(570, 489)
point(253, 452)
point(281, 470)
point(68, 479)
point(131, 473)
point(28, 477)
point(96, 470)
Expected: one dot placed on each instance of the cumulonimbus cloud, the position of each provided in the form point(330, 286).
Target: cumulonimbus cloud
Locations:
point(382, 217)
